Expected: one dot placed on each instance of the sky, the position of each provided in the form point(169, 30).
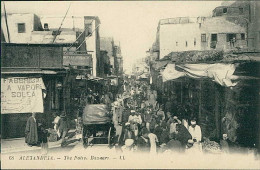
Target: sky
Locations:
point(133, 23)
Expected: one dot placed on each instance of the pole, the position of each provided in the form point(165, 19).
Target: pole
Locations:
point(61, 24)
point(217, 111)
point(7, 28)
point(200, 103)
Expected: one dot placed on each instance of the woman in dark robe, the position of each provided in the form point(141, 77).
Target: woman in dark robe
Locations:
point(31, 133)
point(183, 135)
point(143, 144)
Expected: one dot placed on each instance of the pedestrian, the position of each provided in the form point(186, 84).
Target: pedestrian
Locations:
point(128, 137)
point(125, 117)
point(164, 136)
point(55, 122)
point(174, 124)
point(161, 114)
point(224, 143)
point(63, 127)
point(184, 122)
point(143, 144)
point(153, 142)
point(31, 131)
point(43, 139)
point(183, 135)
point(134, 120)
point(158, 130)
point(195, 131)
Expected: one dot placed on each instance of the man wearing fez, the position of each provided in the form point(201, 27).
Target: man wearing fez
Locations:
point(31, 134)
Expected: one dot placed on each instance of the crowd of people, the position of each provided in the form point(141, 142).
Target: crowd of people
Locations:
point(141, 123)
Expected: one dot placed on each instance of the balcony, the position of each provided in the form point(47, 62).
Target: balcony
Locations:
point(77, 58)
point(31, 56)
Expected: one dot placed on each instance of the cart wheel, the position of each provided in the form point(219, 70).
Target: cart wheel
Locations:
point(108, 138)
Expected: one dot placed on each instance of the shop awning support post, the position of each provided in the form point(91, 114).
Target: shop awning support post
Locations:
point(200, 103)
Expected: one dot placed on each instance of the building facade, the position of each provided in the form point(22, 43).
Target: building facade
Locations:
point(198, 34)
point(32, 80)
point(19, 27)
point(246, 14)
point(107, 44)
point(91, 26)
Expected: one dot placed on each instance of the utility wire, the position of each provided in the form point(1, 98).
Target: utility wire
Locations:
point(78, 37)
point(61, 24)
point(87, 37)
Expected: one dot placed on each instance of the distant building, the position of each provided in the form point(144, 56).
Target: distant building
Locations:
point(201, 33)
point(87, 32)
point(107, 44)
point(118, 59)
point(246, 14)
point(91, 26)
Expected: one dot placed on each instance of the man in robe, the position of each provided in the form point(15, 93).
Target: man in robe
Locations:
point(195, 131)
point(31, 133)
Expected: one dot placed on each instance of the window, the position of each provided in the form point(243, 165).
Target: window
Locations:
point(21, 28)
point(194, 41)
point(176, 43)
point(224, 10)
point(203, 37)
point(186, 44)
point(214, 37)
point(231, 37)
point(241, 11)
point(243, 36)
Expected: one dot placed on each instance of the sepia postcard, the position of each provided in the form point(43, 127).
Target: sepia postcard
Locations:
point(130, 84)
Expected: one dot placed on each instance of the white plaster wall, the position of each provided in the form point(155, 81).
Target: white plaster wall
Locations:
point(172, 33)
point(91, 46)
point(13, 20)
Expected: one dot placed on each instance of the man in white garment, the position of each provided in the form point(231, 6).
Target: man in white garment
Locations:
point(134, 120)
point(195, 131)
point(153, 140)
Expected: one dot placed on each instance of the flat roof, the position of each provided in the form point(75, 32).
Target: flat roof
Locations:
point(37, 44)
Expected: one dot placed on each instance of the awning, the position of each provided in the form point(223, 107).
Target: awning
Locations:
point(220, 73)
point(28, 72)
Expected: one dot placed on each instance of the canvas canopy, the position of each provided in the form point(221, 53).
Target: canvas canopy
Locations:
point(220, 73)
point(96, 114)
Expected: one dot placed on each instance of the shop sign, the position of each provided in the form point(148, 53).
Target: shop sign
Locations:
point(21, 95)
point(77, 60)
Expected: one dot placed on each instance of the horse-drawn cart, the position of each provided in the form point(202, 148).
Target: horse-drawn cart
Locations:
point(97, 125)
